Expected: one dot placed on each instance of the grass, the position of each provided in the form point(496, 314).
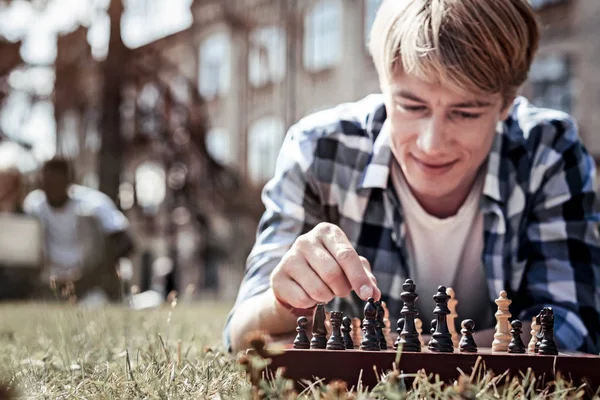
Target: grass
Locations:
point(61, 351)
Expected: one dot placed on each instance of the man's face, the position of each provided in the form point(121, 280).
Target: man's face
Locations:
point(55, 184)
point(440, 138)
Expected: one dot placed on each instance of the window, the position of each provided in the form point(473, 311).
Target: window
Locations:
point(323, 35)
point(214, 70)
point(266, 58)
point(145, 21)
point(264, 141)
point(219, 145)
point(551, 83)
point(371, 7)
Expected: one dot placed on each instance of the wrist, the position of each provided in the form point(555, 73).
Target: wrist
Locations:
point(282, 305)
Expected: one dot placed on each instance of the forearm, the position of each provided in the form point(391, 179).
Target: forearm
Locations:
point(259, 313)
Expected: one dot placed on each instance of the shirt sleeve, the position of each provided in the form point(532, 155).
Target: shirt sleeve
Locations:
point(110, 218)
point(292, 207)
point(563, 245)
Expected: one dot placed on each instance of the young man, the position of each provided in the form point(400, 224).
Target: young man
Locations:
point(61, 207)
point(447, 178)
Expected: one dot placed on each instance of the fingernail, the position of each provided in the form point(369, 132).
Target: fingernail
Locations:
point(366, 291)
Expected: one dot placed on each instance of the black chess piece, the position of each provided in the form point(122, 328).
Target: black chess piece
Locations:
point(301, 341)
point(441, 341)
point(467, 342)
point(399, 331)
point(516, 344)
point(336, 342)
point(432, 330)
point(547, 346)
point(319, 331)
point(346, 329)
point(409, 337)
point(540, 333)
point(370, 340)
point(380, 325)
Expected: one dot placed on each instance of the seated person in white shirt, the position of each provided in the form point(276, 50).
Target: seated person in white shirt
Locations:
point(60, 205)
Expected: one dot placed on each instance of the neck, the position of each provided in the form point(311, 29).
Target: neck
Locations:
point(447, 205)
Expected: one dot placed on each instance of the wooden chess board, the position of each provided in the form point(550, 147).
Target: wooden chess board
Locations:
point(354, 365)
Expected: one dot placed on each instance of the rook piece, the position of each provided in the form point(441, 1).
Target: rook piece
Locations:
point(452, 316)
point(419, 326)
point(399, 331)
point(547, 346)
point(502, 335)
point(319, 332)
point(409, 337)
point(348, 342)
point(535, 328)
point(516, 344)
point(441, 341)
point(370, 340)
point(467, 342)
point(380, 325)
point(335, 341)
point(301, 341)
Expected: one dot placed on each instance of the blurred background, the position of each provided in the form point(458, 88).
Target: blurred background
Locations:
point(176, 109)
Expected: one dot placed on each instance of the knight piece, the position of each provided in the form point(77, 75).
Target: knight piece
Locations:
point(301, 341)
point(380, 326)
point(370, 340)
point(442, 339)
point(319, 331)
point(547, 346)
point(336, 342)
point(409, 337)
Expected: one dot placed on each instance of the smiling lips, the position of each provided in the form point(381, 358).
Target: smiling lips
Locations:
point(436, 168)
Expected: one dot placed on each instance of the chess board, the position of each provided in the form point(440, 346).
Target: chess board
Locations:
point(351, 366)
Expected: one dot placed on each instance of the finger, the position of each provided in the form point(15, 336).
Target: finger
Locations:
point(311, 283)
point(329, 271)
point(336, 242)
point(290, 292)
point(367, 267)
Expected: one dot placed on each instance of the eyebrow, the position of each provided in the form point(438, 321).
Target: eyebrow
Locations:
point(467, 104)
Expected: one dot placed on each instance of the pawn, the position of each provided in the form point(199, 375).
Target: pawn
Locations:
point(380, 326)
point(301, 341)
point(516, 344)
point(419, 327)
point(432, 330)
point(356, 332)
point(346, 329)
point(336, 342)
point(399, 331)
point(535, 328)
point(467, 342)
point(370, 340)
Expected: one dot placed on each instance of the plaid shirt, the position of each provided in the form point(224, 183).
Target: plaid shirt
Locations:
point(539, 208)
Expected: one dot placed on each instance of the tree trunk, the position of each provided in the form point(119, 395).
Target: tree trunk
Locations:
point(111, 151)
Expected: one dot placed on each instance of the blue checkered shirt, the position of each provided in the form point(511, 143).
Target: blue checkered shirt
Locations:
point(539, 207)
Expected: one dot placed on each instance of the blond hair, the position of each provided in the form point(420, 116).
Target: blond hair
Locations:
point(478, 46)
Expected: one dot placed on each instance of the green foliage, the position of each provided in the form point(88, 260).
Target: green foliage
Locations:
point(53, 351)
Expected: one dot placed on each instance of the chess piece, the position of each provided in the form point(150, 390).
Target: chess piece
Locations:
point(502, 335)
point(441, 341)
point(379, 326)
point(399, 329)
point(540, 333)
point(301, 341)
point(370, 340)
point(516, 344)
point(336, 342)
point(419, 326)
point(319, 331)
point(535, 328)
point(348, 342)
point(356, 330)
point(409, 337)
point(432, 331)
point(387, 329)
point(547, 346)
point(452, 316)
point(467, 342)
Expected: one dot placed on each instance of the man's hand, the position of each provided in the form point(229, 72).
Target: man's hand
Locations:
point(321, 265)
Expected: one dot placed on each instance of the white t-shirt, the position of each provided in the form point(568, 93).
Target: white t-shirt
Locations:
point(64, 245)
point(446, 252)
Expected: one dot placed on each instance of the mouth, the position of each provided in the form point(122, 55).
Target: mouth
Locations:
point(434, 167)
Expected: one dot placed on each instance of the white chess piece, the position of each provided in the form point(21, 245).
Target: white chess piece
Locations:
point(387, 329)
point(502, 336)
point(535, 329)
point(450, 318)
point(419, 327)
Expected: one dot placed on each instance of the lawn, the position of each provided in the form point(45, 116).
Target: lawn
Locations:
point(54, 351)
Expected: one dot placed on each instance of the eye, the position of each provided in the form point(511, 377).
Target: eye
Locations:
point(412, 108)
point(466, 115)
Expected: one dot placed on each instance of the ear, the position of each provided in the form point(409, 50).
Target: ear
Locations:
point(506, 108)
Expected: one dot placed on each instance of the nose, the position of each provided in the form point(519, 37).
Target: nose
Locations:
point(431, 139)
